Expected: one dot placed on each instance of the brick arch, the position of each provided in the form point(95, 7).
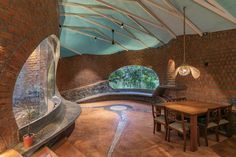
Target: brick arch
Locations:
point(18, 42)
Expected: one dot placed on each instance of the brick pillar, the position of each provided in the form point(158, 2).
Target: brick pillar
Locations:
point(170, 79)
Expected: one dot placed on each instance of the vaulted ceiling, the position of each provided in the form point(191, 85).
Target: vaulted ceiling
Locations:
point(87, 25)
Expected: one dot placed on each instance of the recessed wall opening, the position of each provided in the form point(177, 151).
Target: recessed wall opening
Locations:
point(35, 86)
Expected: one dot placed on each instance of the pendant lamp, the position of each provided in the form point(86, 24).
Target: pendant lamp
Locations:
point(186, 69)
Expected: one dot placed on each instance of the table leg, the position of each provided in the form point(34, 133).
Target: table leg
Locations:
point(193, 133)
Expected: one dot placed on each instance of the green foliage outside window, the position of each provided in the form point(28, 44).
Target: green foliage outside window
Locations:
point(134, 77)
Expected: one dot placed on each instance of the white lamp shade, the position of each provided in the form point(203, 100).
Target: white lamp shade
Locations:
point(185, 70)
point(195, 72)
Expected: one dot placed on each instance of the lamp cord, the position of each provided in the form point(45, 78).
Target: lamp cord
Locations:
point(184, 33)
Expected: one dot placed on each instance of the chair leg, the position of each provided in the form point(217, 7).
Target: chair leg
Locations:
point(228, 131)
point(154, 128)
point(205, 134)
point(158, 127)
point(217, 134)
point(198, 136)
point(184, 136)
point(166, 132)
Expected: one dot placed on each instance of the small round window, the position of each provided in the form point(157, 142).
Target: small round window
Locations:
point(134, 77)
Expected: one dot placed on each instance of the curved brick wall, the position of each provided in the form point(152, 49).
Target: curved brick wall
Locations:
point(214, 54)
point(24, 24)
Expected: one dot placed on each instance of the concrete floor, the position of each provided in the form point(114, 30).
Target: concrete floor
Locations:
point(102, 132)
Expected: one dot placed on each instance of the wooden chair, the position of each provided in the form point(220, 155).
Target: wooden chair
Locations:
point(210, 121)
point(179, 125)
point(224, 118)
point(158, 113)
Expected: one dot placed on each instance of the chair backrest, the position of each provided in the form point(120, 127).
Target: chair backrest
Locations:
point(225, 112)
point(175, 116)
point(156, 111)
point(158, 92)
point(212, 116)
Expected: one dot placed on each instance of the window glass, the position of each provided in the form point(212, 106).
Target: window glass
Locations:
point(134, 77)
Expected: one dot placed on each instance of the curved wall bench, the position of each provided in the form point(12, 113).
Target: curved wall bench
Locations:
point(75, 94)
point(50, 126)
point(101, 91)
point(127, 95)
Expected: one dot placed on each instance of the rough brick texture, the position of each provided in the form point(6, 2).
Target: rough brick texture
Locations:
point(23, 25)
point(217, 82)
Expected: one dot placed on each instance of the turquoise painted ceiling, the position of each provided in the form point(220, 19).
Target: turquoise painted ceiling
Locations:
point(86, 25)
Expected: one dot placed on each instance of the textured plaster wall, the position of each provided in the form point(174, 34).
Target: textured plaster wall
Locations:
point(23, 25)
point(213, 54)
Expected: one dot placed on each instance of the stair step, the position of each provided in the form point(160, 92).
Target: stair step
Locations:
point(45, 152)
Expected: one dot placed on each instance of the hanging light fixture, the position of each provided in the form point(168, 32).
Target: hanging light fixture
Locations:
point(186, 69)
point(113, 41)
point(122, 25)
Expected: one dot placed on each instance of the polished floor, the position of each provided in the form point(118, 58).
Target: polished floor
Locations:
point(124, 129)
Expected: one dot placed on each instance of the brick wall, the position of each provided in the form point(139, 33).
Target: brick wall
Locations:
point(23, 25)
point(214, 55)
point(87, 69)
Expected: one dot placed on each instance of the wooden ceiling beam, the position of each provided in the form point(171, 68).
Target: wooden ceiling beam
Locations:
point(93, 36)
point(140, 41)
point(105, 36)
point(168, 10)
point(135, 21)
point(181, 15)
point(175, 12)
point(148, 11)
point(211, 5)
point(103, 15)
point(115, 21)
point(139, 24)
point(85, 34)
point(130, 14)
point(98, 24)
point(91, 29)
point(216, 4)
point(91, 5)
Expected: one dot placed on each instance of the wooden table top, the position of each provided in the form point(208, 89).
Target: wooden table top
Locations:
point(193, 107)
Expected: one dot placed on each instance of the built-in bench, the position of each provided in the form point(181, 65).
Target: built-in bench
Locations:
point(133, 95)
point(101, 91)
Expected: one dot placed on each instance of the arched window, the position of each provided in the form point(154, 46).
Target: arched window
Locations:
point(134, 77)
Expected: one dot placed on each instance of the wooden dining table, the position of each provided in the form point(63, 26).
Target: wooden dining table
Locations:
point(192, 109)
